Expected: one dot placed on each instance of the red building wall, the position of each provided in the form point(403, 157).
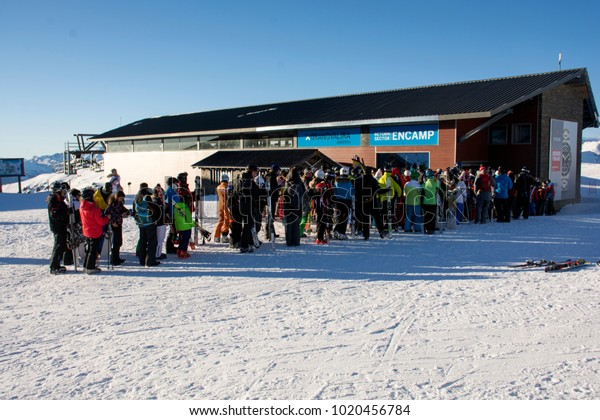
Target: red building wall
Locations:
point(477, 150)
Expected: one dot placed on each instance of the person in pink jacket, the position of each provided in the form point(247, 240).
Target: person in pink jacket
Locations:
point(92, 222)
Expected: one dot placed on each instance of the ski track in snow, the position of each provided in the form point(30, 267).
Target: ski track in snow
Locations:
point(414, 317)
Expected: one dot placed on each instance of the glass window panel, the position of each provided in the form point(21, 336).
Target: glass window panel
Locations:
point(171, 144)
point(229, 144)
point(521, 134)
point(188, 143)
point(119, 146)
point(257, 143)
point(147, 145)
point(403, 160)
point(209, 142)
point(498, 135)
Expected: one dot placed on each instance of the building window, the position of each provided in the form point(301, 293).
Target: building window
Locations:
point(230, 144)
point(256, 143)
point(181, 143)
point(403, 160)
point(188, 143)
point(147, 145)
point(498, 135)
point(209, 142)
point(282, 142)
point(268, 142)
point(119, 146)
point(521, 134)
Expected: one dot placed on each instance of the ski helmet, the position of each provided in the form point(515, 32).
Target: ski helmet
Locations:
point(88, 194)
point(344, 171)
point(224, 178)
point(251, 168)
point(57, 187)
point(320, 174)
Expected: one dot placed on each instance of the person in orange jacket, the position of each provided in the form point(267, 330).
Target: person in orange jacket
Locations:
point(222, 227)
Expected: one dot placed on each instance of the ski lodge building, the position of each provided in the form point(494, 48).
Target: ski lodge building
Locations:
point(532, 120)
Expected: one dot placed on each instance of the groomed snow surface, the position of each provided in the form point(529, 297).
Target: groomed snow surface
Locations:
point(414, 317)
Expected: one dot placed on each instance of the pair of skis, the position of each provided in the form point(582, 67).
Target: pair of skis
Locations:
point(206, 235)
point(388, 183)
point(566, 265)
point(197, 210)
point(270, 221)
point(550, 265)
point(73, 232)
point(532, 264)
point(109, 237)
point(198, 213)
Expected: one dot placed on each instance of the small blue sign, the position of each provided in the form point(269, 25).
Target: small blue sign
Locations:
point(337, 137)
point(405, 135)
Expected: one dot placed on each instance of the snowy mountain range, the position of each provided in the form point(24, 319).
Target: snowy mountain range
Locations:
point(43, 164)
point(590, 151)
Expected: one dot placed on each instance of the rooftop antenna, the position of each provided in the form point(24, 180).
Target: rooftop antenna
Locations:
point(559, 60)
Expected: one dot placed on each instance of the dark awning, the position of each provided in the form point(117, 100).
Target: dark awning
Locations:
point(286, 158)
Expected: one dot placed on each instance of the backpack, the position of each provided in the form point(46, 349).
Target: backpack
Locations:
point(484, 183)
point(143, 215)
point(343, 190)
point(293, 200)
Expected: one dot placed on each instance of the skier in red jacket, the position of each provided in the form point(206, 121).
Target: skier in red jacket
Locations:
point(92, 221)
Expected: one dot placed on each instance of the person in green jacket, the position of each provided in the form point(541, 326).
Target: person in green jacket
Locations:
point(182, 218)
point(392, 193)
point(430, 190)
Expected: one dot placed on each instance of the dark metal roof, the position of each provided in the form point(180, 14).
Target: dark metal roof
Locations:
point(455, 100)
point(285, 158)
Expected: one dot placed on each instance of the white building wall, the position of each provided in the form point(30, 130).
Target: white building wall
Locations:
point(152, 167)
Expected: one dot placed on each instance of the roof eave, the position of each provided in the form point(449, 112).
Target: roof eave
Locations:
point(182, 134)
point(351, 123)
point(537, 92)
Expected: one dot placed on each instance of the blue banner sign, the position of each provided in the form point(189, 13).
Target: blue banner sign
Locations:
point(404, 135)
point(337, 137)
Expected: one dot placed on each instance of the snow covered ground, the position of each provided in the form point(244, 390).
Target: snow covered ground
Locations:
point(415, 317)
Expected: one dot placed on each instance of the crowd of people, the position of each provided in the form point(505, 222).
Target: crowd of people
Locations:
point(412, 199)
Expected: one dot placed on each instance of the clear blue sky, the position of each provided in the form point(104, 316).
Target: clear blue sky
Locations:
point(90, 66)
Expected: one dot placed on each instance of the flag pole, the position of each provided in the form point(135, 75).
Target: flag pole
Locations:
point(559, 61)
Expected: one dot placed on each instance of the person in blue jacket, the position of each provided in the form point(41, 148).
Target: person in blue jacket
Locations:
point(503, 185)
point(343, 192)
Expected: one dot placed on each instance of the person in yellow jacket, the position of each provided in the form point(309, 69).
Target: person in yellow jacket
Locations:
point(430, 190)
point(101, 197)
point(392, 193)
point(222, 228)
